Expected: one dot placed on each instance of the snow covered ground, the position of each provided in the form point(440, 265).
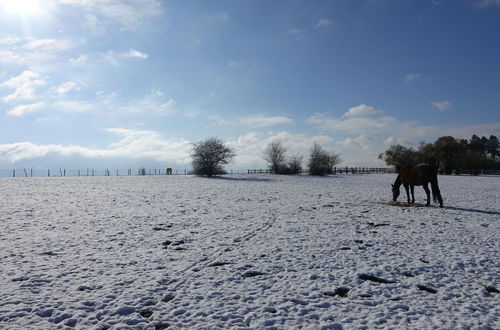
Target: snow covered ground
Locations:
point(285, 252)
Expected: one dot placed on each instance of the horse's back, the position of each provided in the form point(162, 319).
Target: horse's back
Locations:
point(418, 175)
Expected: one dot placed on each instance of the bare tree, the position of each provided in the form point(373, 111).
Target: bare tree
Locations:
point(322, 161)
point(275, 156)
point(333, 160)
point(294, 164)
point(210, 155)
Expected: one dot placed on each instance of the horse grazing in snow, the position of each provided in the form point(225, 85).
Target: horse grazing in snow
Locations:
point(420, 175)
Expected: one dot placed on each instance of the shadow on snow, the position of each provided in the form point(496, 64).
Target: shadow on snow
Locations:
point(472, 210)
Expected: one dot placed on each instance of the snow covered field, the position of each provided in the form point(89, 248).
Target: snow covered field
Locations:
point(285, 252)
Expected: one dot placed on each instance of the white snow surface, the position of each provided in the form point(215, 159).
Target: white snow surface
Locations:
point(247, 252)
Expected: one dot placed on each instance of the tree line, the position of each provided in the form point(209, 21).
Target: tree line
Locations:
point(209, 157)
point(448, 154)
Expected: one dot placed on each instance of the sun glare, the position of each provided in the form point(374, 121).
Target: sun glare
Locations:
point(20, 6)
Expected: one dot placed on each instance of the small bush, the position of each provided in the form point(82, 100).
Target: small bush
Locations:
point(209, 156)
point(322, 161)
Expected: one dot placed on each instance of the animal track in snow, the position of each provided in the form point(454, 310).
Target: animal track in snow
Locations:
point(426, 288)
point(373, 278)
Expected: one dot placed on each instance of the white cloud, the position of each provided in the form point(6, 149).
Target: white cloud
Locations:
point(168, 107)
point(32, 52)
point(264, 121)
point(412, 77)
point(374, 130)
point(115, 58)
point(25, 86)
point(66, 87)
point(442, 105)
point(21, 110)
point(129, 14)
point(157, 92)
point(10, 58)
point(111, 105)
point(132, 53)
point(362, 142)
point(250, 147)
point(93, 25)
point(133, 144)
point(74, 106)
point(297, 33)
point(10, 40)
point(322, 23)
point(49, 44)
point(353, 125)
point(487, 3)
point(362, 110)
point(80, 60)
point(216, 18)
point(392, 140)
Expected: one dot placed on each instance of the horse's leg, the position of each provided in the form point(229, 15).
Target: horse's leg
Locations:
point(412, 187)
point(427, 191)
point(407, 192)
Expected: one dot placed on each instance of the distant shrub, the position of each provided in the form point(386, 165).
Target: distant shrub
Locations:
point(294, 164)
point(275, 156)
point(322, 161)
point(209, 156)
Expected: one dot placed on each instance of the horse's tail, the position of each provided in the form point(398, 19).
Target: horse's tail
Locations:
point(436, 193)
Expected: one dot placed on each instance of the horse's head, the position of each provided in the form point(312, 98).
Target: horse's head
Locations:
point(395, 192)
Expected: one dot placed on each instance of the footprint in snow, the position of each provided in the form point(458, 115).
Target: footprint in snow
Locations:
point(219, 264)
point(146, 314)
point(253, 273)
point(372, 224)
point(341, 292)
point(491, 289)
point(177, 244)
point(168, 297)
point(372, 278)
point(426, 288)
point(48, 253)
point(270, 309)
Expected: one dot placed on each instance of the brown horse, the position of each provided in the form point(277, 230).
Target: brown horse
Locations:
point(420, 175)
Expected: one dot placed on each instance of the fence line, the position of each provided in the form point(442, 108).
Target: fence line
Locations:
point(62, 172)
point(347, 170)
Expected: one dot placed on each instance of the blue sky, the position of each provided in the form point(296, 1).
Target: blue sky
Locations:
point(109, 83)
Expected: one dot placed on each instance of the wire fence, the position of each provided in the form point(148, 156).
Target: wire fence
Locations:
point(339, 170)
point(62, 172)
